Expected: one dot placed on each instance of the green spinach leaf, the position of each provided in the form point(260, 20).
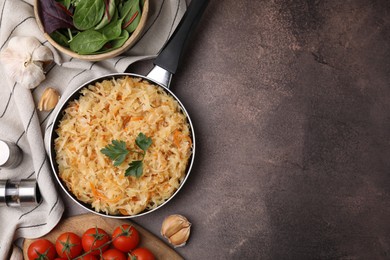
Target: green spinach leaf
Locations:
point(88, 42)
point(60, 38)
point(133, 17)
point(126, 7)
point(118, 42)
point(88, 13)
point(115, 44)
point(112, 30)
point(109, 12)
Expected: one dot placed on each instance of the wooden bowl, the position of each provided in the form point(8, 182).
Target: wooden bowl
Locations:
point(97, 57)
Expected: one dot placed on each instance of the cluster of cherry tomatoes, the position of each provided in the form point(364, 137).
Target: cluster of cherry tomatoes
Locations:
point(94, 244)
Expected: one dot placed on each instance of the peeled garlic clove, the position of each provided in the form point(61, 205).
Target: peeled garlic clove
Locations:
point(49, 99)
point(176, 228)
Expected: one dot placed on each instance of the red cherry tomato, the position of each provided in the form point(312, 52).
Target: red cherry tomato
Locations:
point(94, 240)
point(141, 253)
point(125, 238)
point(41, 249)
point(68, 245)
point(113, 254)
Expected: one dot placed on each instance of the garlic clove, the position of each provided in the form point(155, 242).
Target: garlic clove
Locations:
point(23, 47)
point(24, 44)
point(172, 224)
point(43, 54)
point(180, 238)
point(32, 76)
point(176, 228)
point(49, 99)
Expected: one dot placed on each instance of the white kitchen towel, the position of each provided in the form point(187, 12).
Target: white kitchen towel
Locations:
point(23, 124)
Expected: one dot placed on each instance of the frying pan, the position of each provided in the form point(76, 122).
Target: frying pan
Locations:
point(165, 65)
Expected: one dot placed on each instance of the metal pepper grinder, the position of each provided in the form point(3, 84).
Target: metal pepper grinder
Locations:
point(16, 193)
point(10, 155)
point(19, 193)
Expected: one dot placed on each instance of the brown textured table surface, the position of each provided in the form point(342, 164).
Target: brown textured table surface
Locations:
point(291, 106)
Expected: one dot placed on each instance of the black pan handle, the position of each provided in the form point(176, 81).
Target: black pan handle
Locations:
point(170, 55)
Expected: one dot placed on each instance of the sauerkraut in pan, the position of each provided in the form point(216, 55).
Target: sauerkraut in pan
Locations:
point(120, 109)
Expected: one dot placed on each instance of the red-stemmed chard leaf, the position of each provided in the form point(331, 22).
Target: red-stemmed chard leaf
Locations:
point(53, 16)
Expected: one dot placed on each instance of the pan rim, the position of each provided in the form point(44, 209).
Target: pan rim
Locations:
point(58, 117)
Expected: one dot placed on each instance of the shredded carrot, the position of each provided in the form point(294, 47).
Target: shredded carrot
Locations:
point(166, 186)
point(123, 212)
point(125, 120)
point(178, 138)
point(134, 198)
point(75, 106)
point(188, 140)
point(94, 191)
point(98, 195)
point(133, 119)
point(164, 164)
point(136, 118)
point(115, 200)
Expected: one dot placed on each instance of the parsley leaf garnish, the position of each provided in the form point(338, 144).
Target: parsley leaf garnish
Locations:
point(116, 151)
point(135, 169)
point(143, 142)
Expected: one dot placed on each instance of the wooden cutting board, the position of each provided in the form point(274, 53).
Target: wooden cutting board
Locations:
point(80, 223)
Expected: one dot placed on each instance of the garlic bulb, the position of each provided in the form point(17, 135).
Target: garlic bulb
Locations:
point(24, 59)
point(176, 228)
point(49, 99)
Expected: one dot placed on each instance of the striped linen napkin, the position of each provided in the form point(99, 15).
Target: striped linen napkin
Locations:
point(23, 124)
